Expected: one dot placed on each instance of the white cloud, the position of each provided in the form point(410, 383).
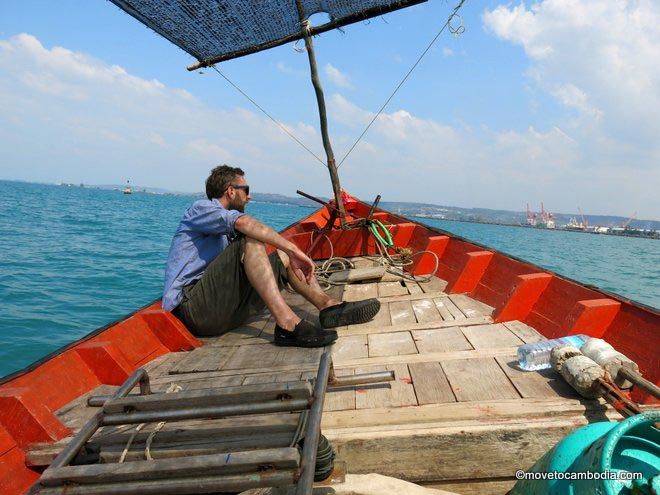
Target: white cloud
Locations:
point(201, 148)
point(65, 111)
point(425, 160)
point(82, 120)
point(337, 77)
point(597, 58)
point(572, 96)
point(447, 52)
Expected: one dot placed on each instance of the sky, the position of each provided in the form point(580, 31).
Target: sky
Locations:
point(555, 101)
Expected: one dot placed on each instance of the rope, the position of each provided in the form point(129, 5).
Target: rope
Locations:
point(456, 31)
point(122, 457)
point(281, 126)
point(394, 263)
point(147, 451)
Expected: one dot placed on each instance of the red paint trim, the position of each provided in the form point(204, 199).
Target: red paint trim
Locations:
point(106, 361)
point(557, 301)
point(517, 289)
point(402, 234)
point(522, 297)
point(27, 418)
point(169, 330)
point(592, 317)
point(471, 272)
point(15, 477)
point(425, 263)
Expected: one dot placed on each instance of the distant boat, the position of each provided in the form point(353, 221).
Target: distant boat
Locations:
point(127, 189)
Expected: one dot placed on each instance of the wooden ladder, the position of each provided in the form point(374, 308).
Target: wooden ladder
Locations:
point(211, 473)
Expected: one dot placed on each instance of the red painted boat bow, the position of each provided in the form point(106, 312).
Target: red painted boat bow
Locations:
point(518, 290)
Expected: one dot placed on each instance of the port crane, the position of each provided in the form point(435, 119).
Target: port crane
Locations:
point(625, 225)
point(585, 224)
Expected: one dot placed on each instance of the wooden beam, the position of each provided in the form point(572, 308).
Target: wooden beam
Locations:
point(225, 463)
point(406, 327)
point(210, 397)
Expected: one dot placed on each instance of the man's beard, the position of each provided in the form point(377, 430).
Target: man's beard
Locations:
point(238, 205)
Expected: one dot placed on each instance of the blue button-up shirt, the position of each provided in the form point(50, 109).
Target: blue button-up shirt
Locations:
point(204, 232)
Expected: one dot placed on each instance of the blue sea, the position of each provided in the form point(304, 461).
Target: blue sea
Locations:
point(73, 259)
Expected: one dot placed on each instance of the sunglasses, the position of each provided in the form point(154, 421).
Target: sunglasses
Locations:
point(244, 188)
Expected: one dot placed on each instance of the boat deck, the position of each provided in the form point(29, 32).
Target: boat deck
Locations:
point(458, 416)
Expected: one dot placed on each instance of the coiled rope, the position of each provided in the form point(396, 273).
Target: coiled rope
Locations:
point(393, 263)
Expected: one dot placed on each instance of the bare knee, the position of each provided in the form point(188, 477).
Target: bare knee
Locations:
point(285, 259)
point(253, 245)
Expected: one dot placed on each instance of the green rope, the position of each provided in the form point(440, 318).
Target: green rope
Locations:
point(376, 227)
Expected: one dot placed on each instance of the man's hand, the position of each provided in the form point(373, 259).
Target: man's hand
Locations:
point(301, 265)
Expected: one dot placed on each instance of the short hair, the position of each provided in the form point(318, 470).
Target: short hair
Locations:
point(220, 179)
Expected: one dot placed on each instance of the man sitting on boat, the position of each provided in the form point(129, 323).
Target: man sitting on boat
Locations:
point(219, 274)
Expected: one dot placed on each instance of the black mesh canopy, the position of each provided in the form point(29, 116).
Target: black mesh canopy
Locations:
point(217, 30)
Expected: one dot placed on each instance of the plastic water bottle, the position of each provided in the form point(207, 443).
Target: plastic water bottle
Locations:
point(536, 356)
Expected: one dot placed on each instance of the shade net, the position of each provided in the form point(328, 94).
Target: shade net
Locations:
point(217, 30)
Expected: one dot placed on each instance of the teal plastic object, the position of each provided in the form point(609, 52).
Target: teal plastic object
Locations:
point(631, 446)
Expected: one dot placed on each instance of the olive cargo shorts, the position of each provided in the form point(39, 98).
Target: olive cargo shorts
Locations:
point(224, 298)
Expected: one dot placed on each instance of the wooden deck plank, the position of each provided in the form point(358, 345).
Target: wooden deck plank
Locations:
point(297, 355)
point(397, 393)
point(413, 287)
point(442, 308)
point(391, 344)
point(162, 365)
point(426, 311)
point(357, 292)
point(340, 400)
point(254, 379)
point(435, 284)
point(402, 312)
point(430, 382)
point(248, 331)
point(192, 384)
point(207, 358)
point(249, 356)
point(440, 340)
point(404, 327)
point(535, 384)
point(389, 289)
point(471, 307)
point(524, 332)
point(486, 336)
point(486, 412)
point(453, 309)
point(413, 297)
point(478, 379)
point(350, 347)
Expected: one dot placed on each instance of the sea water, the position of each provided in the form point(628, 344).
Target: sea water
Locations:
point(73, 259)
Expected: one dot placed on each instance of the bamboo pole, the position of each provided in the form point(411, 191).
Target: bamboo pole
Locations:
point(320, 99)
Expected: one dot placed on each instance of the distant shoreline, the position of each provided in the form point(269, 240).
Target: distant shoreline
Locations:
point(411, 209)
point(560, 229)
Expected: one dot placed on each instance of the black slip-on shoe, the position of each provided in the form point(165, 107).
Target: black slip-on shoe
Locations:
point(304, 335)
point(349, 313)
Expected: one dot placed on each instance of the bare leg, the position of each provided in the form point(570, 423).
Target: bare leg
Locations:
point(260, 274)
point(312, 291)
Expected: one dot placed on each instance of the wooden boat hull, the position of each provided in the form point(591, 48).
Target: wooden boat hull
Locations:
point(517, 290)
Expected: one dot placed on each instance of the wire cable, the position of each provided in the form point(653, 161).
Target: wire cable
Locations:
point(454, 30)
point(281, 126)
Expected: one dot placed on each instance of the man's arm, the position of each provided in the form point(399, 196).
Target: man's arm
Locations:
point(302, 266)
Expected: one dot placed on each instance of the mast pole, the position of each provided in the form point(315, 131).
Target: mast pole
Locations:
point(320, 99)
